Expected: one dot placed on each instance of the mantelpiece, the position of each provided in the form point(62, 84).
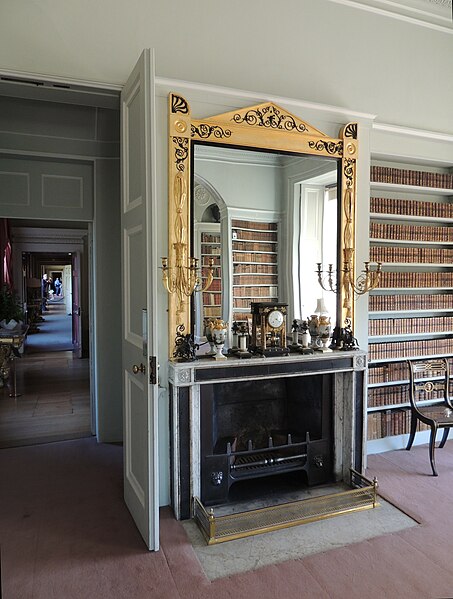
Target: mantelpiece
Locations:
point(344, 371)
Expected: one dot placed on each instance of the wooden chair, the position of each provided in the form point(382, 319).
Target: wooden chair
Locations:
point(430, 380)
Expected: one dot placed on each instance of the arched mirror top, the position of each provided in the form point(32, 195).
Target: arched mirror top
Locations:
point(264, 127)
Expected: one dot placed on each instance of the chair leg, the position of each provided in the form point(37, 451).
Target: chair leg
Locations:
point(432, 445)
point(413, 431)
point(444, 437)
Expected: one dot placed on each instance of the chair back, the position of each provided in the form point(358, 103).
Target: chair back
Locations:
point(429, 380)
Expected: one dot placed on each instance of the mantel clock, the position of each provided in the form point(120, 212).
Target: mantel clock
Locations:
point(269, 328)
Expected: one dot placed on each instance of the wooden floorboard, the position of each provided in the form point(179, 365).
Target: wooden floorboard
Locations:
point(54, 400)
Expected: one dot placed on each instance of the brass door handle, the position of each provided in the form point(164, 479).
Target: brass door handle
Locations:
point(136, 369)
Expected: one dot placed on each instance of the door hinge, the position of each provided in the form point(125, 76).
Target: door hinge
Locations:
point(153, 370)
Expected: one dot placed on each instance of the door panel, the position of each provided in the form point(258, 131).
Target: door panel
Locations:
point(139, 281)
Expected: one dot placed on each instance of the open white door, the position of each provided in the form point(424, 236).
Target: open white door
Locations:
point(138, 222)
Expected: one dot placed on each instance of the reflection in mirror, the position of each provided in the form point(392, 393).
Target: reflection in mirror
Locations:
point(267, 219)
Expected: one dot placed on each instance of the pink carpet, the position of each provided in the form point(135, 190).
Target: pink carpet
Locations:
point(66, 534)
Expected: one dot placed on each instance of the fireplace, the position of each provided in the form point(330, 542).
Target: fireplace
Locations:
point(257, 429)
point(257, 421)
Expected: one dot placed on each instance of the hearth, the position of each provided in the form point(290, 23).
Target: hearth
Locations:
point(256, 421)
point(253, 429)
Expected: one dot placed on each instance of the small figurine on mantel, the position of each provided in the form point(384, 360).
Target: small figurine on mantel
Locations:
point(295, 328)
point(305, 338)
point(235, 341)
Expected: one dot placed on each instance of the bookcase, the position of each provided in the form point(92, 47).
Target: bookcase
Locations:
point(255, 264)
point(411, 311)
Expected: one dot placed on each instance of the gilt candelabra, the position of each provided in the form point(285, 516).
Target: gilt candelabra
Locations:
point(185, 277)
point(365, 282)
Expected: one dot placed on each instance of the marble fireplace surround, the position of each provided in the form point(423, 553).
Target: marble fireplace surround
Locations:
point(186, 380)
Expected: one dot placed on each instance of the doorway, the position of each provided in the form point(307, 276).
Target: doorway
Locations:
point(59, 165)
point(46, 396)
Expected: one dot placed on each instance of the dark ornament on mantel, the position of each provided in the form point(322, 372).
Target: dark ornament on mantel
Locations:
point(348, 341)
point(185, 347)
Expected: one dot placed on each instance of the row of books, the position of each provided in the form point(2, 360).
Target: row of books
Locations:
point(244, 317)
point(245, 303)
point(387, 396)
point(216, 285)
point(408, 326)
point(410, 232)
point(210, 249)
point(410, 254)
point(254, 235)
point(410, 302)
point(263, 269)
point(391, 396)
point(239, 279)
point(391, 422)
point(415, 279)
point(212, 299)
point(264, 291)
point(254, 246)
point(215, 260)
point(210, 238)
point(411, 207)
point(252, 257)
point(212, 312)
point(402, 176)
point(393, 371)
point(408, 349)
point(254, 225)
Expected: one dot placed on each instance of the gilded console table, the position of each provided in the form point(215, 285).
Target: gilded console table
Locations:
point(10, 343)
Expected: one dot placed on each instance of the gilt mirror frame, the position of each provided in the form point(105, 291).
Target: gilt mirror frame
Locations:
point(263, 126)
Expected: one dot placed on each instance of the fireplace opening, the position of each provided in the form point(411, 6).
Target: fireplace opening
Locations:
point(255, 433)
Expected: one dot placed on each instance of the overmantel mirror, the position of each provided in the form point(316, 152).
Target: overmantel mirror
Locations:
point(263, 190)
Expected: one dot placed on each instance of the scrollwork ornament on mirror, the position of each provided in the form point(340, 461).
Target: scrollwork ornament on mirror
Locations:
point(178, 104)
point(351, 130)
point(333, 148)
point(205, 131)
point(270, 117)
point(181, 152)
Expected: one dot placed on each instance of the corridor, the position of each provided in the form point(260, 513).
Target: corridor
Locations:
point(54, 404)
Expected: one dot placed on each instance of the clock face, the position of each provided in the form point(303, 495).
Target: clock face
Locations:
point(275, 319)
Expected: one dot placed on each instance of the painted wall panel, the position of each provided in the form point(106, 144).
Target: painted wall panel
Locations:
point(14, 189)
point(58, 189)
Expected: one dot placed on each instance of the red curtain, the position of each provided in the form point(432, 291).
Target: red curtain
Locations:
point(6, 253)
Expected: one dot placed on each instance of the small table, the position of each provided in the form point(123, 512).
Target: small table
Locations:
point(10, 343)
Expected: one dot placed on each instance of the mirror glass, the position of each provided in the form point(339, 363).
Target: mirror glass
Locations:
point(266, 219)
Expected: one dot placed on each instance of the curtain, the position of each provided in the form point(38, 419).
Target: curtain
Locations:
point(6, 253)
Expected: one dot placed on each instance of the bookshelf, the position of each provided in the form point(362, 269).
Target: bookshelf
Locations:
point(411, 312)
point(210, 245)
point(208, 303)
point(255, 264)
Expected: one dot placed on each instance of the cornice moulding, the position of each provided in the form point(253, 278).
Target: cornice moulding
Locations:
point(395, 10)
point(226, 95)
point(412, 132)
